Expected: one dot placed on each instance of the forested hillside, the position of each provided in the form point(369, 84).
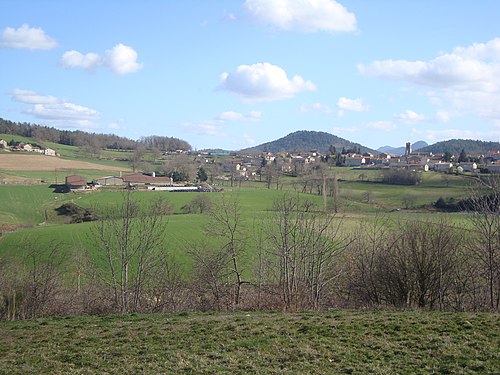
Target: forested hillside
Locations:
point(80, 138)
point(304, 140)
point(455, 146)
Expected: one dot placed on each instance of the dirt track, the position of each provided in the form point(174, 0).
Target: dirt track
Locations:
point(34, 162)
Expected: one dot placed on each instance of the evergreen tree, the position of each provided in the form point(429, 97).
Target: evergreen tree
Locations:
point(463, 157)
point(202, 175)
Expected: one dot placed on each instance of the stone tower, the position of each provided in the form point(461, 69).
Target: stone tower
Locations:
point(408, 149)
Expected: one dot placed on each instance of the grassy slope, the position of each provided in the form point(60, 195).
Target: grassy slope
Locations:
point(264, 343)
point(31, 205)
point(72, 152)
point(27, 205)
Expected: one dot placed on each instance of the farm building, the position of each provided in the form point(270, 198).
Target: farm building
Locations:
point(109, 181)
point(142, 179)
point(75, 182)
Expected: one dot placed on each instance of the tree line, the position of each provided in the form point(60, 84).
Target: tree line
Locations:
point(296, 257)
point(94, 141)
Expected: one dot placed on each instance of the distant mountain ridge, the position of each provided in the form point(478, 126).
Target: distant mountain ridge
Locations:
point(395, 151)
point(307, 140)
point(455, 146)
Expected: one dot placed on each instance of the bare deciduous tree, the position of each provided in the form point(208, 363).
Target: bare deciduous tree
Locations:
point(485, 221)
point(130, 237)
point(226, 223)
point(305, 243)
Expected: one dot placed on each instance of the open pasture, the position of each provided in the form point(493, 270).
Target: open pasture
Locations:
point(333, 342)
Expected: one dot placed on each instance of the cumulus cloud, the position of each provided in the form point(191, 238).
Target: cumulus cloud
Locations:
point(465, 80)
point(236, 116)
point(355, 105)
point(263, 82)
point(75, 59)
point(408, 116)
point(302, 15)
point(381, 125)
point(55, 111)
point(26, 37)
point(32, 97)
point(121, 59)
point(316, 107)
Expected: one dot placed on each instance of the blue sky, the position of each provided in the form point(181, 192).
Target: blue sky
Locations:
point(232, 74)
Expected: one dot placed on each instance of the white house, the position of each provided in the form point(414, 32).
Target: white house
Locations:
point(442, 167)
point(3, 144)
point(49, 152)
point(468, 167)
point(354, 161)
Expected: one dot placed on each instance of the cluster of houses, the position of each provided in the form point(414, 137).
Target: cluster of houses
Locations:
point(241, 166)
point(26, 147)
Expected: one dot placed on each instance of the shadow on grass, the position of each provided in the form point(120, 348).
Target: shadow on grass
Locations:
point(59, 188)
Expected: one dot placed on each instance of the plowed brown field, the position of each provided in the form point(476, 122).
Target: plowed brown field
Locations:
point(30, 162)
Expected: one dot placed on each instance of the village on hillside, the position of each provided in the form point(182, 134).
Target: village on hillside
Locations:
point(234, 167)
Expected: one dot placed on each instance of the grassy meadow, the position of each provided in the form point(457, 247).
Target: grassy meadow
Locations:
point(32, 208)
point(335, 342)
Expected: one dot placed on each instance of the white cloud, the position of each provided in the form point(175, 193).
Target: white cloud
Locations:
point(465, 81)
point(75, 59)
point(356, 105)
point(316, 107)
point(446, 71)
point(445, 134)
point(236, 116)
point(408, 116)
point(63, 111)
point(302, 15)
point(228, 16)
point(443, 116)
point(26, 37)
point(381, 125)
point(249, 140)
point(121, 59)
point(116, 125)
point(55, 111)
point(263, 82)
point(338, 130)
point(32, 97)
point(207, 127)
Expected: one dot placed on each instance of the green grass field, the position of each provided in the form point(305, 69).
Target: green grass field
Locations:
point(34, 206)
point(255, 343)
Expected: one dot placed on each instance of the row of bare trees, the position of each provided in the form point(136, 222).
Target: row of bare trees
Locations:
point(296, 257)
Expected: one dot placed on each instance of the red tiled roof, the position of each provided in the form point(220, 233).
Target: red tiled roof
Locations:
point(75, 180)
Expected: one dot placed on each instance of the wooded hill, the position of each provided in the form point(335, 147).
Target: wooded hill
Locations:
point(80, 138)
point(304, 140)
point(455, 146)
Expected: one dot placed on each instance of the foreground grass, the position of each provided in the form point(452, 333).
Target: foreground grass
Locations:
point(302, 343)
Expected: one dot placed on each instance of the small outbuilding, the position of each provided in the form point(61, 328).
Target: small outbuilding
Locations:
point(75, 182)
